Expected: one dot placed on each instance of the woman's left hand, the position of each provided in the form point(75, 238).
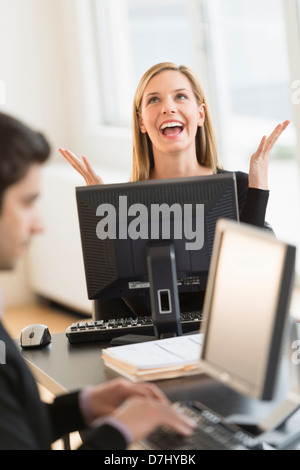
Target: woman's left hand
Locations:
point(259, 163)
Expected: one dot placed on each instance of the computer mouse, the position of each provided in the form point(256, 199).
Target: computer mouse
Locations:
point(35, 336)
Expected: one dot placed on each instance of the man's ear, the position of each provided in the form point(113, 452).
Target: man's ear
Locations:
point(201, 118)
point(141, 124)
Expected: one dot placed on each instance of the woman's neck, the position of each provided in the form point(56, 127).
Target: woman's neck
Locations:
point(178, 167)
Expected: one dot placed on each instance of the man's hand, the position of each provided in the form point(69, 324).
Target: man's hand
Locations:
point(107, 397)
point(142, 415)
point(139, 407)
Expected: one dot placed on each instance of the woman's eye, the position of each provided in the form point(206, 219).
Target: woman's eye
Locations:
point(181, 96)
point(153, 99)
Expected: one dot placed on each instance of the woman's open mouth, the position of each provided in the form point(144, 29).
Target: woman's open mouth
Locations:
point(171, 128)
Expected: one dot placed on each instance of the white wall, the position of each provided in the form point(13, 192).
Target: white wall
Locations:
point(31, 69)
point(104, 145)
point(31, 64)
point(49, 85)
point(55, 267)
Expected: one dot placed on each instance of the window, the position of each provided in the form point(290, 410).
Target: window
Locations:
point(247, 41)
point(133, 35)
point(159, 32)
point(248, 47)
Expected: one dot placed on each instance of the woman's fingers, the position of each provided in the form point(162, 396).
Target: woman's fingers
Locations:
point(258, 172)
point(276, 134)
point(261, 147)
point(83, 167)
point(91, 172)
point(267, 143)
point(73, 160)
point(272, 139)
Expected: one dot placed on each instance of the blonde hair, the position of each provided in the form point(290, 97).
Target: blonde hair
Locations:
point(206, 148)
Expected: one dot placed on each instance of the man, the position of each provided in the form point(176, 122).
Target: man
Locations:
point(116, 413)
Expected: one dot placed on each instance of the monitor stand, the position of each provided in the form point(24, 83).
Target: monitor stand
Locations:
point(164, 296)
point(275, 428)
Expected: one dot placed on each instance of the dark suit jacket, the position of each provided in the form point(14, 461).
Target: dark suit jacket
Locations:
point(28, 423)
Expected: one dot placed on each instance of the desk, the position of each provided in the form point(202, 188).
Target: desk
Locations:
point(63, 367)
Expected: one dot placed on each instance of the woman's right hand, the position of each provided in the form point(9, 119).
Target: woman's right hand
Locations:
point(83, 167)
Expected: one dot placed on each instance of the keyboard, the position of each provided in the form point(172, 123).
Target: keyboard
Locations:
point(213, 432)
point(107, 330)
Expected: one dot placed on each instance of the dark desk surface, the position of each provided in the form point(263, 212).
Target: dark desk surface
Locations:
point(62, 367)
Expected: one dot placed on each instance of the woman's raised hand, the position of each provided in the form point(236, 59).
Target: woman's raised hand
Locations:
point(83, 167)
point(259, 163)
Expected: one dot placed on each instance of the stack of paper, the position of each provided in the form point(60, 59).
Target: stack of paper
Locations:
point(155, 360)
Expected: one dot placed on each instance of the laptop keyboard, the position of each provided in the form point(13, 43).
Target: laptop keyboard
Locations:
point(107, 330)
point(213, 432)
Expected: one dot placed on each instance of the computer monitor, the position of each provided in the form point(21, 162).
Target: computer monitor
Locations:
point(152, 238)
point(246, 310)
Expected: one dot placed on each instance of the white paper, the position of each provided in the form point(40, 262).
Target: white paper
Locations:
point(180, 350)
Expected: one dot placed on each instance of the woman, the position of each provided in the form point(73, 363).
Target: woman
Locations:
point(173, 136)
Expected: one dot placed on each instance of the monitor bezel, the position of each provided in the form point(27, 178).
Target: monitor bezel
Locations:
point(105, 292)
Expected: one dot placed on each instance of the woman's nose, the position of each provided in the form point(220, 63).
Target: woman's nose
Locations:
point(169, 107)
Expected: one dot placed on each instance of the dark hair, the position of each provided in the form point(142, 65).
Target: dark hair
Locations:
point(20, 147)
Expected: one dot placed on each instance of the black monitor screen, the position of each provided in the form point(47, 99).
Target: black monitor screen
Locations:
point(119, 222)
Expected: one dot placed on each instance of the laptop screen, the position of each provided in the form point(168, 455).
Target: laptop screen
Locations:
point(246, 307)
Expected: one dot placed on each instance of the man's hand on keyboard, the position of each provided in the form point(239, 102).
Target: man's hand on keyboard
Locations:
point(107, 397)
point(142, 415)
point(140, 407)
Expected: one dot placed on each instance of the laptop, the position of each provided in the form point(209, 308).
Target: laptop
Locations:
point(245, 316)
